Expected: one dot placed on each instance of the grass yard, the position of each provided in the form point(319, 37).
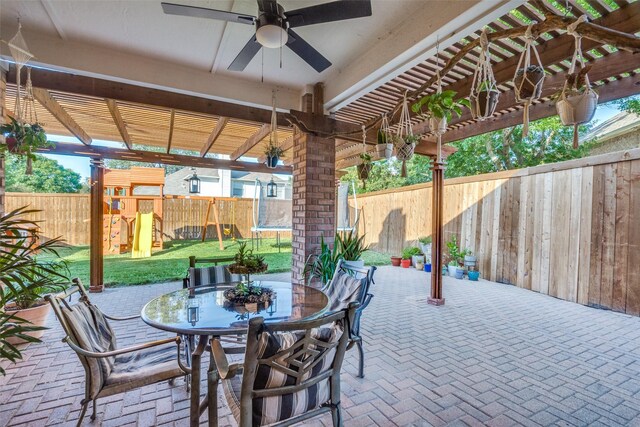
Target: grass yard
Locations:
point(172, 262)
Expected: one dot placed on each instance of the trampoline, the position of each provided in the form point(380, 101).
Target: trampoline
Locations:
point(269, 215)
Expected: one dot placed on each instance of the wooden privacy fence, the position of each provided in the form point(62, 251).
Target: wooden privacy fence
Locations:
point(67, 215)
point(570, 229)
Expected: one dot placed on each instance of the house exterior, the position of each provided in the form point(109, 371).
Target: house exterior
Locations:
point(620, 132)
point(222, 183)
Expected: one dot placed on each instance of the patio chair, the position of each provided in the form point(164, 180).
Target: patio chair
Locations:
point(290, 373)
point(216, 274)
point(351, 284)
point(111, 370)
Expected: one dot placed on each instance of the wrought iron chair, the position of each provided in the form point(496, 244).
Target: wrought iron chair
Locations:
point(290, 373)
point(111, 370)
point(216, 274)
point(351, 284)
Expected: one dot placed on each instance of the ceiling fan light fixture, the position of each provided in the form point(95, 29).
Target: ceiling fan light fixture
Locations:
point(272, 35)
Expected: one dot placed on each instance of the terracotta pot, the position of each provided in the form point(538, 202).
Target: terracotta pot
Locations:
point(528, 81)
point(480, 108)
point(36, 315)
point(395, 261)
point(406, 263)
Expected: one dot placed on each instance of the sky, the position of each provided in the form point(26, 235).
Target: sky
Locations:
point(81, 164)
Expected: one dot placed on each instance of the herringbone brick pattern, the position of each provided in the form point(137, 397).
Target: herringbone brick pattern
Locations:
point(494, 355)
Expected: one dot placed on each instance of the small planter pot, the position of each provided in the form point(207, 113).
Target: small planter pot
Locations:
point(480, 107)
point(438, 126)
point(405, 263)
point(419, 265)
point(35, 315)
point(380, 150)
point(452, 270)
point(578, 108)
point(426, 249)
point(388, 151)
point(473, 275)
point(363, 171)
point(470, 261)
point(427, 268)
point(272, 161)
point(527, 80)
point(417, 258)
point(395, 261)
point(251, 307)
point(459, 273)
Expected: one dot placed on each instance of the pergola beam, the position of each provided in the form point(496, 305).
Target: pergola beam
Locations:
point(119, 122)
point(172, 121)
point(57, 111)
point(428, 149)
point(222, 122)
point(251, 142)
point(98, 152)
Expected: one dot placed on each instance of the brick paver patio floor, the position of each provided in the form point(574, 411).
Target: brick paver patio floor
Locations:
point(493, 355)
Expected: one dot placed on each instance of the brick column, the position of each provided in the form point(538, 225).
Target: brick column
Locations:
point(314, 197)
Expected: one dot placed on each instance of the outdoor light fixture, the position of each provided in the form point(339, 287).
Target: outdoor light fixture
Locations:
point(272, 189)
point(194, 183)
point(272, 29)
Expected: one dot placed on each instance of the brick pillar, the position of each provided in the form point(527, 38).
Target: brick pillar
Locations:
point(314, 197)
point(3, 110)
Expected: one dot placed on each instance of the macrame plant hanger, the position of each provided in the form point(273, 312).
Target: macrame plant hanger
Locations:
point(404, 150)
point(577, 108)
point(484, 88)
point(364, 168)
point(273, 134)
point(21, 55)
point(385, 130)
point(529, 78)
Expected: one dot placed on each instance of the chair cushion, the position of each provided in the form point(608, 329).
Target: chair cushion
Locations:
point(277, 349)
point(92, 332)
point(344, 289)
point(143, 367)
point(201, 276)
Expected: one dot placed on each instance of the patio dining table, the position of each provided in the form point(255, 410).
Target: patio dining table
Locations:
point(201, 313)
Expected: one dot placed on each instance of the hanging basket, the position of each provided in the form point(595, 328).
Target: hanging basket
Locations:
point(388, 151)
point(577, 109)
point(438, 126)
point(364, 170)
point(528, 82)
point(404, 151)
point(272, 162)
point(484, 103)
point(380, 150)
point(484, 89)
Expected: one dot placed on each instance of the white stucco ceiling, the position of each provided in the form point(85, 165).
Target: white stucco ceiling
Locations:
point(134, 41)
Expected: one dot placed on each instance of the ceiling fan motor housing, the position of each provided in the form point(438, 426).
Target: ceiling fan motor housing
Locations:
point(271, 28)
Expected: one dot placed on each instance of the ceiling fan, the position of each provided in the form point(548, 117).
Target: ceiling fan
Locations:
point(274, 26)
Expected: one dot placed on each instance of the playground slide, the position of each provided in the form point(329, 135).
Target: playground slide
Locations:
point(142, 236)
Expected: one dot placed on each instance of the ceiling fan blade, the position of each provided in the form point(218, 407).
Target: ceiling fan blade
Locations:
point(202, 12)
point(246, 55)
point(329, 12)
point(305, 51)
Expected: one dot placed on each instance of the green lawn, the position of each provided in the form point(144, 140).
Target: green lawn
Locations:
point(172, 262)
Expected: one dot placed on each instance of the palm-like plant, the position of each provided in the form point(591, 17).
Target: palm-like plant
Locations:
point(350, 246)
point(322, 265)
point(24, 278)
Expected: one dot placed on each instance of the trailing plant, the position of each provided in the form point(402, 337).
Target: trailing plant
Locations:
point(366, 158)
point(24, 279)
point(28, 138)
point(440, 105)
point(273, 150)
point(408, 252)
point(350, 247)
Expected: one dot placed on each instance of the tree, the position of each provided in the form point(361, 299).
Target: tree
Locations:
point(630, 105)
point(548, 141)
point(48, 176)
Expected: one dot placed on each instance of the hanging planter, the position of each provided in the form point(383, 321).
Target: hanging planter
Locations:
point(385, 143)
point(364, 168)
point(273, 151)
point(577, 101)
point(440, 107)
point(484, 89)
point(438, 126)
point(24, 139)
point(529, 77)
point(405, 141)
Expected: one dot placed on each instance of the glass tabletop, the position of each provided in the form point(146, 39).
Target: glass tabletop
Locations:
point(202, 310)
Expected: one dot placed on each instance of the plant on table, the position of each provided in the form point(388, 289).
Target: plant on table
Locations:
point(24, 280)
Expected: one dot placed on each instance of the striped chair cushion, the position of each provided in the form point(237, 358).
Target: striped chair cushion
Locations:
point(344, 289)
point(269, 410)
point(201, 276)
point(92, 332)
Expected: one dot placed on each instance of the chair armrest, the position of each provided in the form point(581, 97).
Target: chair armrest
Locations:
point(225, 371)
point(365, 303)
point(135, 316)
point(120, 351)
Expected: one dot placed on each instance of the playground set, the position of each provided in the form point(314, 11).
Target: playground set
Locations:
point(134, 221)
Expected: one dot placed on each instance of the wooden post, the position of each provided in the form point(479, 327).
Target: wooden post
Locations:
point(96, 267)
point(437, 200)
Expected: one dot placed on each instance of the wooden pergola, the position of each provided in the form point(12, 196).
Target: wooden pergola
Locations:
point(144, 118)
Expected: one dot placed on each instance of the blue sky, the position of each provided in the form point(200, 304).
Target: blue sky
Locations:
point(81, 164)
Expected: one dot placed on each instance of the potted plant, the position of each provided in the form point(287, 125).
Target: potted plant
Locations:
point(407, 253)
point(417, 257)
point(470, 260)
point(24, 139)
point(473, 275)
point(425, 245)
point(420, 265)
point(274, 154)
point(246, 263)
point(483, 103)
point(576, 102)
point(452, 268)
point(395, 261)
point(251, 297)
point(364, 168)
point(24, 279)
point(439, 108)
point(384, 146)
point(456, 256)
point(459, 273)
point(527, 81)
point(350, 248)
point(323, 265)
